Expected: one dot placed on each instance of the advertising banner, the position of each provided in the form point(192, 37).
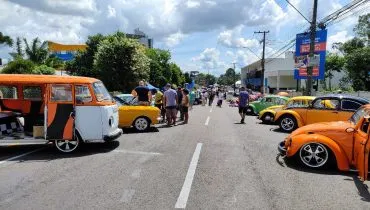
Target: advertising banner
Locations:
point(302, 59)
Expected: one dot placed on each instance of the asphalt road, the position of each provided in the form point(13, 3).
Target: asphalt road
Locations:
point(212, 163)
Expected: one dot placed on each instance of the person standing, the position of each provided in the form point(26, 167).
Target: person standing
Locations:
point(205, 97)
point(170, 104)
point(143, 94)
point(185, 105)
point(243, 103)
point(192, 96)
point(158, 102)
point(179, 105)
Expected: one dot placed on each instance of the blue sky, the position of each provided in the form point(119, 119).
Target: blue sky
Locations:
point(203, 35)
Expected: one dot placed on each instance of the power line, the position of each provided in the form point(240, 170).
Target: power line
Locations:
point(298, 11)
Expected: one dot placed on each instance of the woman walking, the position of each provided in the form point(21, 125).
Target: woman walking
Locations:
point(185, 104)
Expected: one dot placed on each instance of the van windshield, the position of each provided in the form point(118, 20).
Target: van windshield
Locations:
point(101, 92)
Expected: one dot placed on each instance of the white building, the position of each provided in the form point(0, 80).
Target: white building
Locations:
point(279, 73)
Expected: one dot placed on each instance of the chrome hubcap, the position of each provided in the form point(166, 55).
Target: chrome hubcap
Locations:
point(66, 145)
point(268, 117)
point(314, 155)
point(287, 124)
point(141, 124)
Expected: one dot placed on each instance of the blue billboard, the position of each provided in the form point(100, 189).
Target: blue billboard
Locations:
point(301, 60)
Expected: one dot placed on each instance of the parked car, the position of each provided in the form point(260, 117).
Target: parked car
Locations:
point(267, 115)
point(328, 108)
point(343, 143)
point(270, 100)
point(133, 115)
point(129, 99)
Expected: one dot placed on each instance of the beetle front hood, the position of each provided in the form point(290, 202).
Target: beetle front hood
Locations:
point(336, 126)
point(275, 108)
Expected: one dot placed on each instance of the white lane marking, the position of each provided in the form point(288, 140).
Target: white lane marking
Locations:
point(207, 121)
point(211, 109)
point(136, 152)
point(184, 194)
point(22, 155)
point(127, 196)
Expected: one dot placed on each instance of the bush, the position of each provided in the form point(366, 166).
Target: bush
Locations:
point(19, 66)
point(44, 69)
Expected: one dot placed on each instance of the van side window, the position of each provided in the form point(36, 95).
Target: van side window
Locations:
point(32, 93)
point(83, 94)
point(61, 93)
point(8, 92)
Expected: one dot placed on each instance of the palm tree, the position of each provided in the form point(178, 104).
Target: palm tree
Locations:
point(5, 40)
point(37, 52)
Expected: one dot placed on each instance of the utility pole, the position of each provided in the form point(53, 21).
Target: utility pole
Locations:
point(312, 49)
point(263, 59)
point(234, 77)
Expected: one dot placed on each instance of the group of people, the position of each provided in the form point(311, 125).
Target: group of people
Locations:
point(170, 102)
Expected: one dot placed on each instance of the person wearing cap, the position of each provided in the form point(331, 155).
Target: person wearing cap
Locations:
point(170, 104)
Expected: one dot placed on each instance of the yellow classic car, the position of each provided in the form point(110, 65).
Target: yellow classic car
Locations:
point(267, 115)
point(336, 107)
point(133, 115)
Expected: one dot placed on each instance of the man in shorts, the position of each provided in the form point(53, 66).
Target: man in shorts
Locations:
point(243, 103)
point(158, 102)
point(170, 103)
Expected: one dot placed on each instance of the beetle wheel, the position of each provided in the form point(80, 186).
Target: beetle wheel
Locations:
point(314, 155)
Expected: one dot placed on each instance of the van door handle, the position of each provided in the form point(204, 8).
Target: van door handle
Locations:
point(335, 112)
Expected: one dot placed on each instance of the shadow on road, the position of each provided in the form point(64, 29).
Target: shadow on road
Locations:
point(362, 188)
point(133, 130)
point(277, 130)
point(50, 153)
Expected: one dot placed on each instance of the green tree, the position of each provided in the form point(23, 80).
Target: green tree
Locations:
point(334, 63)
point(121, 62)
point(37, 52)
point(19, 66)
point(358, 67)
point(54, 62)
point(18, 49)
point(187, 77)
point(6, 40)
point(229, 78)
point(160, 70)
point(83, 62)
point(43, 69)
point(177, 75)
point(362, 29)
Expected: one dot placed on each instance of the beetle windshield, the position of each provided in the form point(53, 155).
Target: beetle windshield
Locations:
point(357, 116)
point(101, 92)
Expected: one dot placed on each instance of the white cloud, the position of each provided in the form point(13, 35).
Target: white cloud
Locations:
point(192, 4)
point(174, 39)
point(340, 36)
point(111, 11)
point(229, 53)
point(232, 38)
point(210, 60)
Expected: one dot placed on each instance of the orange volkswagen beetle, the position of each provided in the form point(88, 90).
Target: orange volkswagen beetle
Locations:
point(345, 143)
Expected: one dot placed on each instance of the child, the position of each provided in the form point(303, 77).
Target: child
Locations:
point(185, 104)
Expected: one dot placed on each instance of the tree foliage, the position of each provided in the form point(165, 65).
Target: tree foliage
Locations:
point(229, 78)
point(43, 69)
point(358, 67)
point(177, 75)
point(362, 29)
point(121, 62)
point(36, 52)
point(357, 55)
point(19, 66)
point(83, 62)
point(205, 79)
point(6, 40)
point(160, 71)
point(333, 63)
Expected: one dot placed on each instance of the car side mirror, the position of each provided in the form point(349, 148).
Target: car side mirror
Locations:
point(350, 130)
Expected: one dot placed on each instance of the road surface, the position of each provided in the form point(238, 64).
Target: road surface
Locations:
point(212, 163)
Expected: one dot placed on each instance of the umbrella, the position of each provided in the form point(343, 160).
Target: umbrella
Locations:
point(151, 87)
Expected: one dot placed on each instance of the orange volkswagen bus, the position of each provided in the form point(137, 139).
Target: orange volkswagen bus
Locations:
point(64, 110)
